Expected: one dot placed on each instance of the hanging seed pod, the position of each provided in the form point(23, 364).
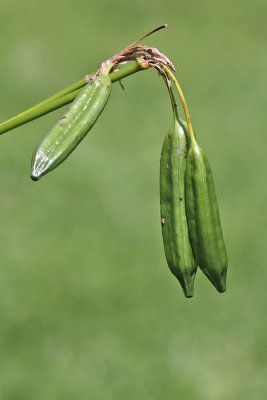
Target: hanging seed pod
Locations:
point(204, 219)
point(175, 234)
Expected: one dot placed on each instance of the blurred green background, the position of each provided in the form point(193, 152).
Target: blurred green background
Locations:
point(88, 307)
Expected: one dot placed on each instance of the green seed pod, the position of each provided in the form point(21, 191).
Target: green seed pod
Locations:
point(175, 234)
point(204, 219)
point(68, 132)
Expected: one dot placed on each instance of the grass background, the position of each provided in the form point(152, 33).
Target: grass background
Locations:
point(88, 308)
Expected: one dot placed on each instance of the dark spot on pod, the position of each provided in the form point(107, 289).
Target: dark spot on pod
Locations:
point(62, 120)
point(180, 198)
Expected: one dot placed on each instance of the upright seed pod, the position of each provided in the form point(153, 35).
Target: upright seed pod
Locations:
point(68, 132)
point(175, 234)
point(204, 219)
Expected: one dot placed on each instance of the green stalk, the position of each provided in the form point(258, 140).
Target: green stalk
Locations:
point(60, 99)
point(187, 116)
point(174, 105)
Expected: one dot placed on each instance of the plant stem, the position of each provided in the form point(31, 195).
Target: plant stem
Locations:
point(187, 116)
point(61, 98)
point(174, 105)
point(173, 102)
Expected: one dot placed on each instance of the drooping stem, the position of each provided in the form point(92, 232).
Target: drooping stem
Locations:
point(172, 98)
point(61, 98)
point(174, 105)
point(187, 116)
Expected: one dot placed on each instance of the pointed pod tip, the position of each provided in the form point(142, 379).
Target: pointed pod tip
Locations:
point(188, 290)
point(221, 283)
point(35, 177)
point(38, 170)
point(218, 280)
point(221, 288)
point(189, 295)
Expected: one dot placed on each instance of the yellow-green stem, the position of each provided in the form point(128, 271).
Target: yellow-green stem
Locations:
point(179, 90)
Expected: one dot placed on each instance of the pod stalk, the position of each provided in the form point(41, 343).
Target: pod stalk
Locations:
point(180, 92)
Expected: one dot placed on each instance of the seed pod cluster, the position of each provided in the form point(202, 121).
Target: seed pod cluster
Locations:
point(191, 227)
